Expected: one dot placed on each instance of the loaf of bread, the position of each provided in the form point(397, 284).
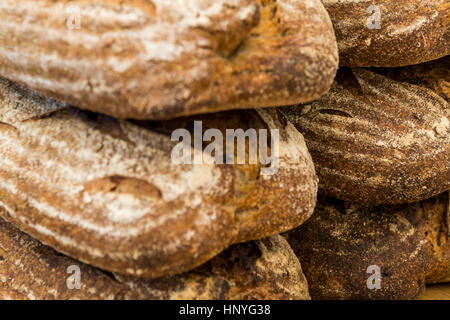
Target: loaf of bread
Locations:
point(385, 252)
point(160, 59)
point(264, 269)
point(376, 141)
point(434, 75)
point(390, 33)
point(108, 193)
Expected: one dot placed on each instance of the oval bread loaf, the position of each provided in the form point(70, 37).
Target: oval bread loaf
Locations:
point(390, 33)
point(159, 59)
point(264, 269)
point(344, 250)
point(376, 141)
point(434, 75)
point(258, 270)
point(108, 193)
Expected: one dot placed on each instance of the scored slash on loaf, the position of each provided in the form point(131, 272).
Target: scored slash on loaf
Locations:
point(159, 59)
point(409, 243)
point(254, 270)
point(107, 192)
point(375, 140)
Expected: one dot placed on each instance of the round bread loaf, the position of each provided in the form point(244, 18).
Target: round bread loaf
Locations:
point(159, 59)
point(385, 252)
point(264, 269)
point(376, 141)
point(108, 192)
point(390, 33)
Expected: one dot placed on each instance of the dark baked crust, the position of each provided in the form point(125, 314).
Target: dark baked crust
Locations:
point(434, 75)
point(106, 192)
point(411, 31)
point(161, 59)
point(264, 269)
point(375, 140)
point(409, 243)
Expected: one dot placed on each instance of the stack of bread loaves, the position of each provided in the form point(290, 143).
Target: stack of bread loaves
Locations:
point(351, 176)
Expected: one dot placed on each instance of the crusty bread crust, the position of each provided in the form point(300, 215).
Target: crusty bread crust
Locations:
point(161, 59)
point(376, 141)
point(107, 192)
point(410, 244)
point(254, 270)
point(411, 31)
point(434, 75)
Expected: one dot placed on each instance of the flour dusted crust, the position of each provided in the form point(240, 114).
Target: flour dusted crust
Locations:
point(411, 31)
point(106, 192)
point(434, 75)
point(264, 269)
point(158, 59)
point(375, 140)
point(409, 243)
point(30, 270)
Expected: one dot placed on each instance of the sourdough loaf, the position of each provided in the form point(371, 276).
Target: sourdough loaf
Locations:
point(107, 192)
point(158, 59)
point(389, 33)
point(341, 246)
point(375, 140)
point(264, 269)
point(434, 75)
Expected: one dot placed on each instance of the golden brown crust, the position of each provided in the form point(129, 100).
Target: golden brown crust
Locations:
point(434, 75)
point(106, 192)
point(410, 31)
point(377, 141)
point(264, 269)
point(160, 59)
point(409, 243)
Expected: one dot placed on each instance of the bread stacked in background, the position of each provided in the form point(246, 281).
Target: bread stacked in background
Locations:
point(87, 180)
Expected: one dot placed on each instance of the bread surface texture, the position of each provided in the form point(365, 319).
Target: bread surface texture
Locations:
point(390, 33)
point(344, 249)
point(434, 75)
point(264, 269)
point(108, 193)
point(162, 59)
point(375, 140)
